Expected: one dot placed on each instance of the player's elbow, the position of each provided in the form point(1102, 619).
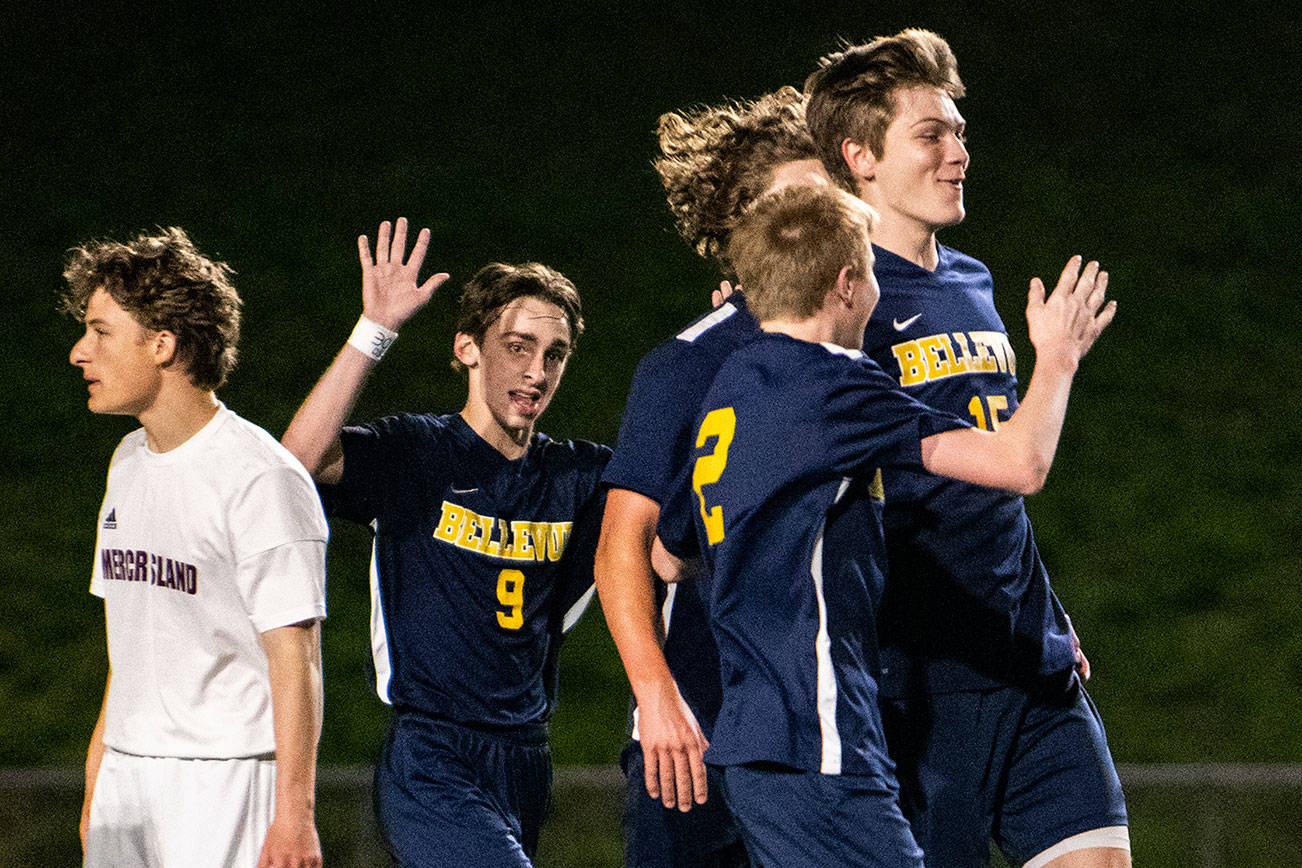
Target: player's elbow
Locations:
point(1030, 485)
point(1027, 475)
point(323, 464)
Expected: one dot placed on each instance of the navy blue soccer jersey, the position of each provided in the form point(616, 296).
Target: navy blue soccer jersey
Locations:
point(476, 560)
point(783, 501)
point(654, 445)
point(969, 604)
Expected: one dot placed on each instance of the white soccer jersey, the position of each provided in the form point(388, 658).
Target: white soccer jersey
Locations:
point(201, 549)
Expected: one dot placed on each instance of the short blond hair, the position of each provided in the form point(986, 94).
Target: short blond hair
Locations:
point(792, 244)
point(852, 93)
point(716, 160)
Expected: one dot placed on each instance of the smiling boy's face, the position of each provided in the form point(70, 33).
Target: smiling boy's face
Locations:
point(918, 178)
point(515, 372)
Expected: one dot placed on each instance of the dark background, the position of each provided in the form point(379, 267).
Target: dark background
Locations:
point(1162, 141)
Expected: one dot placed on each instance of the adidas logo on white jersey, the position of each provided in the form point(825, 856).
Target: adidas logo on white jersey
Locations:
point(111, 520)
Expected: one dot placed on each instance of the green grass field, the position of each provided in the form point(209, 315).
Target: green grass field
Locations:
point(1172, 826)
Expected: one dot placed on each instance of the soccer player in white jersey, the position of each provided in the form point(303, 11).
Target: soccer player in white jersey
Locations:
point(210, 559)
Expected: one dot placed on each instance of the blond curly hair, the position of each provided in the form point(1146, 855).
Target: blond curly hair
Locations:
point(717, 160)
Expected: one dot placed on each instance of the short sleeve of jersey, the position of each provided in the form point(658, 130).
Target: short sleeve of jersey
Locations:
point(668, 387)
point(866, 411)
point(657, 421)
point(284, 585)
point(278, 538)
point(677, 525)
point(277, 506)
point(391, 466)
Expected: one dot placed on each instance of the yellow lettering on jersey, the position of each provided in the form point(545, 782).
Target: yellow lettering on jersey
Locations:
point(558, 533)
point(487, 545)
point(720, 424)
point(909, 357)
point(876, 490)
point(936, 352)
point(999, 345)
point(521, 547)
point(962, 361)
point(538, 531)
point(534, 541)
point(470, 528)
point(449, 529)
point(934, 357)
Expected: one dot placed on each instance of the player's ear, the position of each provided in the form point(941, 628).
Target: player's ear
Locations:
point(845, 286)
point(162, 346)
point(466, 350)
point(860, 159)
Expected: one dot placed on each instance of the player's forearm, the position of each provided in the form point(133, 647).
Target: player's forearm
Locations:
point(1018, 455)
point(626, 584)
point(1034, 430)
point(294, 668)
point(94, 759)
point(313, 435)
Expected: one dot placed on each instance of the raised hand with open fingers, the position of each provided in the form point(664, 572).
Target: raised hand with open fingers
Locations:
point(1065, 325)
point(390, 292)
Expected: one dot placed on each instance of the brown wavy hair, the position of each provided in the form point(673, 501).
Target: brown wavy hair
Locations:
point(166, 284)
point(852, 93)
point(496, 285)
point(717, 160)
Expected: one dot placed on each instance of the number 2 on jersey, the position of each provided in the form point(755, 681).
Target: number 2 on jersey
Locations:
point(977, 409)
point(510, 593)
point(720, 424)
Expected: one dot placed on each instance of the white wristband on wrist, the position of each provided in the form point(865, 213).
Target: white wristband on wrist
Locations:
point(371, 338)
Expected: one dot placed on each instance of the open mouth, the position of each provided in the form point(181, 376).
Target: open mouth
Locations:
point(527, 404)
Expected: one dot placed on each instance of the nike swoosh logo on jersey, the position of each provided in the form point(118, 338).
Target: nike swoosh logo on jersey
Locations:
point(464, 490)
point(901, 326)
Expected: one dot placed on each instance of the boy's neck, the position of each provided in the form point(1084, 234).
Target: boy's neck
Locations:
point(914, 244)
point(177, 415)
point(511, 442)
point(815, 330)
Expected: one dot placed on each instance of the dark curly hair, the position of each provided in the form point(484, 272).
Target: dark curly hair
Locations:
point(496, 285)
point(166, 284)
point(718, 159)
point(851, 94)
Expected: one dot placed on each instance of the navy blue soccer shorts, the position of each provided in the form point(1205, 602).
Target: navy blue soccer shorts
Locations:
point(449, 795)
point(798, 819)
point(1023, 769)
point(707, 836)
